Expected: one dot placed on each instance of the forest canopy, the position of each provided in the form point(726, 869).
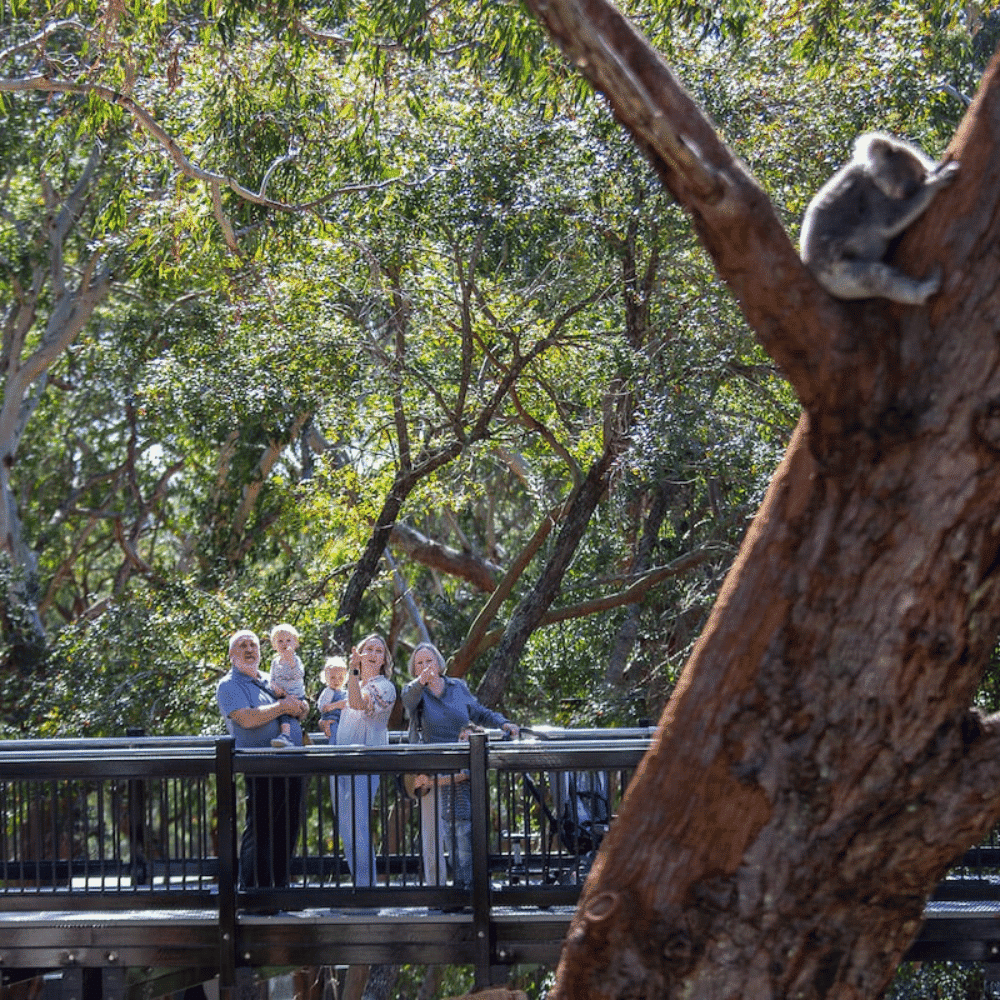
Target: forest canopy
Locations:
point(374, 319)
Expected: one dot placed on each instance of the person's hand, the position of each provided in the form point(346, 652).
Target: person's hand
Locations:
point(324, 724)
point(513, 728)
point(294, 706)
point(340, 704)
point(422, 781)
point(355, 662)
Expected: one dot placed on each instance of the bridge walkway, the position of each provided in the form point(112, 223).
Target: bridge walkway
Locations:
point(118, 864)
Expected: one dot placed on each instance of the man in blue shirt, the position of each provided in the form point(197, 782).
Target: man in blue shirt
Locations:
point(273, 805)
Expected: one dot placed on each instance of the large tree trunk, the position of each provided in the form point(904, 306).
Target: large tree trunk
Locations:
point(819, 765)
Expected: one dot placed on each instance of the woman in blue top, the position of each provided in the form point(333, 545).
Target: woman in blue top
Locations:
point(440, 708)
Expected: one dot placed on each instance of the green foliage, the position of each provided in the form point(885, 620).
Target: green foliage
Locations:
point(225, 432)
point(938, 981)
point(212, 450)
point(150, 663)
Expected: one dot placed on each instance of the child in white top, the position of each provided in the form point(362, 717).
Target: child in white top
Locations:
point(287, 674)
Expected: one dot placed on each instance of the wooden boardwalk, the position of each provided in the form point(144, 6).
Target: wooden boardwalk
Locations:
point(116, 882)
point(131, 954)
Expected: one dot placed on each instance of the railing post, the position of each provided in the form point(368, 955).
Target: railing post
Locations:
point(225, 790)
point(481, 889)
point(142, 871)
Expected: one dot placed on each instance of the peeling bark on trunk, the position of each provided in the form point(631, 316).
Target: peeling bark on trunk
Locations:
point(819, 765)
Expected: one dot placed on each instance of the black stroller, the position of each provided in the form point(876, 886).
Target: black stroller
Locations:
point(583, 810)
point(577, 819)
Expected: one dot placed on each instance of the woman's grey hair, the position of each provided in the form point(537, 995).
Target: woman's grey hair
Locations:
point(437, 656)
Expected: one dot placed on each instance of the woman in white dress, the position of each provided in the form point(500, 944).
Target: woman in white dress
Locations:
point(364, 722)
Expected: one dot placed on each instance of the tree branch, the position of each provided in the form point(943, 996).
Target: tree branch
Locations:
point(39, 39)
point(251, 490)
point(809, 334)
point(533, 605)
point(215, 181)
point(632, 594)
point(463, 565)
point(462, 659)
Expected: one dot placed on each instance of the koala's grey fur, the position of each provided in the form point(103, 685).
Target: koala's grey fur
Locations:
point(847, 228)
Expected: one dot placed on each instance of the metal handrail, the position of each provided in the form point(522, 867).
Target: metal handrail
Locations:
point(135, 761)
point(154, 824)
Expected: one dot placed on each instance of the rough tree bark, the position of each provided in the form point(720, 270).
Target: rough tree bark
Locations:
point(819, 765)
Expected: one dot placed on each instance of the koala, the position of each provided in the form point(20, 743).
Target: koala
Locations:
point(886, 185)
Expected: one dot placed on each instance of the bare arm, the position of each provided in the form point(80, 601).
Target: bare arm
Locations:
point(253, 718)
point(448, 779)
point(427, 780)
point(355, 697)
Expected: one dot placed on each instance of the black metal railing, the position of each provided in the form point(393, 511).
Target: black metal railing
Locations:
point(123, 823)
point(86, 824)
point(157, 823)
point(149, 825)
point(154, 825)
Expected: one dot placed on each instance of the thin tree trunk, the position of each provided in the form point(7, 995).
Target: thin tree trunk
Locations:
point(533, 606)
point(356, 981)
point(431, 982)
point(628, 631)
point(382, 981)
point(308, 982)
point(75, 294)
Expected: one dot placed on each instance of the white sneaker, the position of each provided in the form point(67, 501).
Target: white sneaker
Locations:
point(281, 741)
